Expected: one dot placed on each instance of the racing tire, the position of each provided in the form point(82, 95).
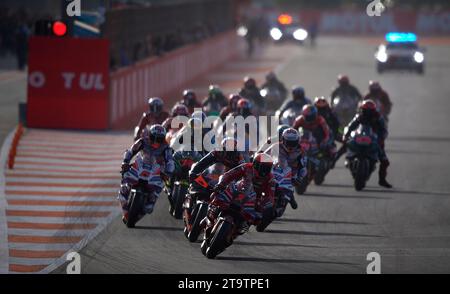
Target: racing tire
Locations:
point(179, 193)
point(218, 241)
point(136, 207)
point(197, 219)
point(267, 218)
point(361, 174)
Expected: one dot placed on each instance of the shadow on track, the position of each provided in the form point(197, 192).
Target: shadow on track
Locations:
point(308, 194)
point(159, 228)
point(395, 191)
point(330, 234)
point(276, 244)
point(311, 221)
point(280, 260)
point(419, 138)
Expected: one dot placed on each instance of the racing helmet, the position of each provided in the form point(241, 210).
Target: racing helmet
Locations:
point(244, 107)
point(298, 93)
point(321, 103)
point(189, 97)
point(180, 110)
point(233, 100)
point(309, 112)
point(343, 80)
point(368, 109)
point(374, 86)
point(157, 134)
point(262, 165)
point(249, 82)
point(290, 139)
point(155, 104)
point(281, 129)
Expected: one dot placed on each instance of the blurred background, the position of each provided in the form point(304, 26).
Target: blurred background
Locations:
point(139, 29)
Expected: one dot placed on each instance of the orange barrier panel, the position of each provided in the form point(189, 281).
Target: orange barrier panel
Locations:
point(161, 76)
point(15, 142)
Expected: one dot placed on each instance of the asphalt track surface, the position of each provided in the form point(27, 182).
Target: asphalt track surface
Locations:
point(335, 227)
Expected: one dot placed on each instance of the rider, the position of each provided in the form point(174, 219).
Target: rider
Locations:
point(178, 110)
point(312, 121)
point(229, 158)
point(324, 110)
point(369, 115)
point(298, 100)
point(345, 89)
point(152, 148)
point(155, 115)
point(380, 97)
point(272, 82)
point(290, 155)
point(215, 100)
point(190, 100)
point(251, 92)
point(231, 108)
point(249, 177)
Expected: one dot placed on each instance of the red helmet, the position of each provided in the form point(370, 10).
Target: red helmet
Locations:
point(368, 108)
point(180, 110)
point(321, 103)
point(343, 80)
point(262, 165)
point(374, 86)
point(244, 106)
point(233, 100)
point(249, 82)
point(309, 112)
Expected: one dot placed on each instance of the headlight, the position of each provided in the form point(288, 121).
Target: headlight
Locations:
point(242, 31)
point(418, 57)
point(382, 56)
point(263, 92)
point(300, 34)
point(276, 34)
point(336, 100)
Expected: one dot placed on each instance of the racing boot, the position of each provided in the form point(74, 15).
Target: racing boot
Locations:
point(382, 173)
point(292, 202)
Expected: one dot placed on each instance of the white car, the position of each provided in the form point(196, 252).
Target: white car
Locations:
point(400, 51)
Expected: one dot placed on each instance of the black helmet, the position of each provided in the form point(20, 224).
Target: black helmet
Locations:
point(298, 93)
point(155, 104)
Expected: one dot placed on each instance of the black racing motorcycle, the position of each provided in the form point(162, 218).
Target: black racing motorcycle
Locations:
point(362, 155)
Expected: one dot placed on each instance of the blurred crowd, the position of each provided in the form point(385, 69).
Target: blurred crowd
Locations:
point(15, 28)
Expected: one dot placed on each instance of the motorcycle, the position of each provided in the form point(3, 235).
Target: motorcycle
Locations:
point(196, 202)
point(310, 150)
point(362, 155)
point(227, 226)
point(345, 108)
point(149, 181)
point(177, 194)
point(284, 191)
point(272, 96)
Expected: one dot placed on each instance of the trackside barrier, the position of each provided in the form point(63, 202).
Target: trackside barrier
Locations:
point(15, 142)
point(160, 76)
